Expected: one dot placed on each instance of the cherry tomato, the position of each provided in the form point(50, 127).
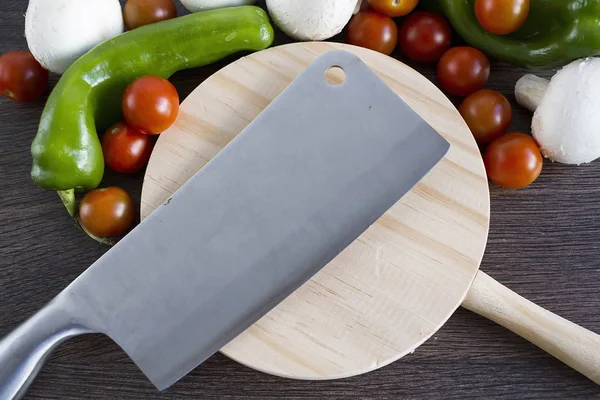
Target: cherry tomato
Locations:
point(107, 212)
point(502, 16)
point(463, 70)
point(393, 8)
point(373, 31)
point(150, 104)
point(513, 161)
point(125, 150)
point(488, 114)
point(22, 78)
point(143, 12)
point(424, 36)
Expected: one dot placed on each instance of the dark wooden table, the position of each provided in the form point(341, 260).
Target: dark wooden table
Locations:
point(544, 243)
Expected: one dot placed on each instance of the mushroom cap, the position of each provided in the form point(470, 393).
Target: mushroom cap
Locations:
point(567, 122)
point(311, 19)
point(58, 32)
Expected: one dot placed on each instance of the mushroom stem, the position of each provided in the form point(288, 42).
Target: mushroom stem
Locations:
point(530, 90)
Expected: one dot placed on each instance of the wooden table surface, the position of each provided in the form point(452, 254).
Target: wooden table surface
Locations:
point(544, 243)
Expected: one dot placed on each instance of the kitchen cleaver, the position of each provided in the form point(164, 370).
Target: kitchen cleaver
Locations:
point(312, 172)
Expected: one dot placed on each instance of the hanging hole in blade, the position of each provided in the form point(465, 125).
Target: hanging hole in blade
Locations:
point(335, 75)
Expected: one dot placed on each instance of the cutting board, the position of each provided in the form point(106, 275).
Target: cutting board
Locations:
point(400, 280)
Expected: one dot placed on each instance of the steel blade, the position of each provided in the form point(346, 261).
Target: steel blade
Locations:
point(311, 173)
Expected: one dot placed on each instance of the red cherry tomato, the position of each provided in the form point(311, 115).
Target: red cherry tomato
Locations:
point(107, 212)
point(424, 36)
point(463, 70)
point(150, 104)
point(137, 13)
point(488, 114)
point(393, 8)
point(125, 150)
point(22, 78)
point(502, 16)
point(513, 161)
point(373, 31)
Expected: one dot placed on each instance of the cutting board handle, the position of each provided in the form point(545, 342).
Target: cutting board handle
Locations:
point(574, 345)
point(24, 351)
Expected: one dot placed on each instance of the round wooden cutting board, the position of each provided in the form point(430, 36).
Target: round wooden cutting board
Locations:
point(400, 280)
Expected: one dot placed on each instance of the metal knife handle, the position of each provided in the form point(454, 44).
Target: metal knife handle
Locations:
point(24, 351)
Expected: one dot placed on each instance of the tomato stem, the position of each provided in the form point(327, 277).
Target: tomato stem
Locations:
point(68, 199)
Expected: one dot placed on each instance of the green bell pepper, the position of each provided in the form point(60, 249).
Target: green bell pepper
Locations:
point(555, 33)
point(66, 151)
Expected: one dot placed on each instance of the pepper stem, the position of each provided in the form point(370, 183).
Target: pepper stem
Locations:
point(68, 199)
point(530, 90)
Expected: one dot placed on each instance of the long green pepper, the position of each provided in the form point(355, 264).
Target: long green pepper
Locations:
point(66, 151)
point(555, 33)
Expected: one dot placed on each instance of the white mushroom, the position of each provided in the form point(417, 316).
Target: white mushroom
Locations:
point(566, 122)
point(201, 5)
point(58, 32)
point(311, 19)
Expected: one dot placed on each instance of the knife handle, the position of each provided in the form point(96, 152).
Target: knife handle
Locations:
point(24, 351)
point(572, 344)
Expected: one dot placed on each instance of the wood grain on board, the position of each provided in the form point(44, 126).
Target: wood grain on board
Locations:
point(398, 282)
point(543, 243)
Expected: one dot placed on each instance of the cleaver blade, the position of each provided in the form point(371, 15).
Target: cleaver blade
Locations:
point(310, 174)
